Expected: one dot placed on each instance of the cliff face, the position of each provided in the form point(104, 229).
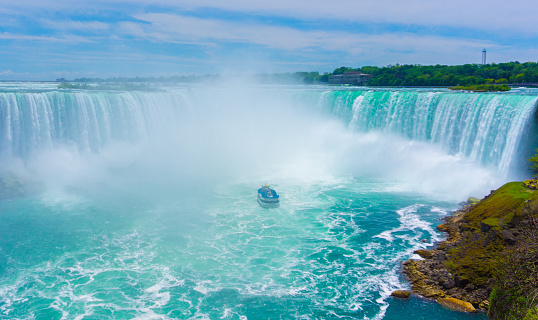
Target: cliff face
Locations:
point(490, 258)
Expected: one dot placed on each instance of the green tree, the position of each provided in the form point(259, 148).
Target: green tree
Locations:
point(533, 163)
point(342, 70)
point(515, 294)
point(442, 75)
point(519, 78)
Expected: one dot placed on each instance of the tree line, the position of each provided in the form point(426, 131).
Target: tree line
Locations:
point(392, 75)
point(439, 75)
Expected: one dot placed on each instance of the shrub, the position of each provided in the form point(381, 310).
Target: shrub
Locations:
point(515, 295)
point(533, 163)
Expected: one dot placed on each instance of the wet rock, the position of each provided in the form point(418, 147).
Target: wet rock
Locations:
point(456, 304)
point(412, 272)
point(426, 254)
point(429, 291)
point(447, 283)
point(470, 287)
point(402, 294)
point(484, 305)
point(435, 277)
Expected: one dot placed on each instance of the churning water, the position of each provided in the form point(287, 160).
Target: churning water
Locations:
point(143, 203)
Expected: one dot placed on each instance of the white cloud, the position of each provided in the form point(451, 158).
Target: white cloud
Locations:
point(68, 25)
point(405, 32)
point(486, 15)
point(516, 15)
point(177, 28)
point(8, 74)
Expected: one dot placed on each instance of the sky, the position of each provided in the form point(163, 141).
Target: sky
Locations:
point(51, 39)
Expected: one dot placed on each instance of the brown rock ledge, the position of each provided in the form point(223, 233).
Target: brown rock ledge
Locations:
point(431, 279)
point(402, 294)
point(456, 304)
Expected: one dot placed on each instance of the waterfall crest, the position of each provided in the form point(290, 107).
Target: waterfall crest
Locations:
point(487, 128)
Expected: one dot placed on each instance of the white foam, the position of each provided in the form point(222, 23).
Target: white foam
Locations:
point(410, 221)
point(387, 235)
point(150, 315)
point(202, 287)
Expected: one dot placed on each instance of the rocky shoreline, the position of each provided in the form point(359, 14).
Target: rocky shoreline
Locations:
point(483, 265)
point(430, 278)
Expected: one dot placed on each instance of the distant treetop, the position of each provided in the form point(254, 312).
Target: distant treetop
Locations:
point(392, 75)
point(442, 75)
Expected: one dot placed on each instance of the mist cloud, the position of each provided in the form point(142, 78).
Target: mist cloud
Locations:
point(199, 137)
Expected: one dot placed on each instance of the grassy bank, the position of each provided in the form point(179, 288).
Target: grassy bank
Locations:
point(499, 250)
point(483, 87)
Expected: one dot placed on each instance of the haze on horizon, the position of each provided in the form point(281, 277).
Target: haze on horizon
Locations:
point(46, 39)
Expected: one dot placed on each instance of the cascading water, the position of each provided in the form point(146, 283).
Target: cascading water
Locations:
point(146, 201)
point(482, 127)
point(33, 121)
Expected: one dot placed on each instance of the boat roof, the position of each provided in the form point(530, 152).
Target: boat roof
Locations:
point(267, 192)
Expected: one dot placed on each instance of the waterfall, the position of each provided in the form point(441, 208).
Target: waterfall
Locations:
point(486, 128)
point(89, 120)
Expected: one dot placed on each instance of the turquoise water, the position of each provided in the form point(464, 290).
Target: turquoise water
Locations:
point(333, 249)
point(146, 201)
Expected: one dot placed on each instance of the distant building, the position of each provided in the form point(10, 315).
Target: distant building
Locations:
point(350, 77)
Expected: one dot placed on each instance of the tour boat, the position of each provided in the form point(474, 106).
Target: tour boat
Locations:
point(268, 198)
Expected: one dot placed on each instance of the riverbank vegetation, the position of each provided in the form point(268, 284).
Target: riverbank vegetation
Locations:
point(448, 76)
point(497, 75)
point(460, 75)
point(490, 258)
point(475, 77)
point(515, 294)
point(494, 76)
point(483, 87)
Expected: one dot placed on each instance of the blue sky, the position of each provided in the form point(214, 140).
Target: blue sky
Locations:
point(49, 39)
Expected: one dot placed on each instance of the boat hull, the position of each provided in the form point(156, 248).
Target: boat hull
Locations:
point(268, 203)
